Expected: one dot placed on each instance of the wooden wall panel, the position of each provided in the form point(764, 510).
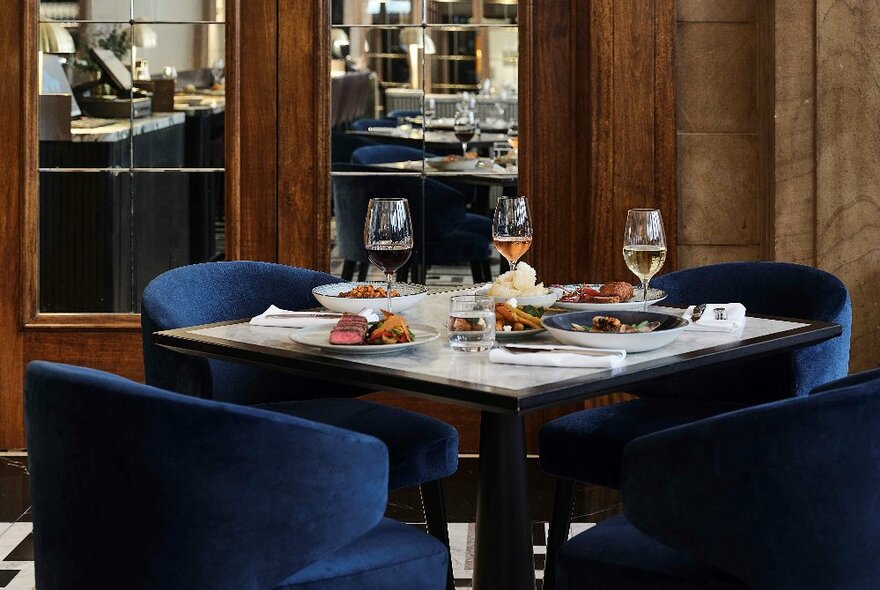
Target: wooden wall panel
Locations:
point(602, 141)
point(13, 36)
point(304, 142)
point(848, 163)
point(258, 74)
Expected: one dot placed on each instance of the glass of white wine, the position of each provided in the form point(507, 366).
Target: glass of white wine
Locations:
point(644, 246)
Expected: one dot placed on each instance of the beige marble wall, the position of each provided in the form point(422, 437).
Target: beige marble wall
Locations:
point(848, 161)
point(720, 134)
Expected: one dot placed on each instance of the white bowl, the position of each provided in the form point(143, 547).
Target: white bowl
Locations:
point(458, 165)
point(671, 327)
point(328, 296)
point(545, 300)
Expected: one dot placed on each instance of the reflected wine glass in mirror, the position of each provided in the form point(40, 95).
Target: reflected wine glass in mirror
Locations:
point(644, 246)
point(388, 237)
point(465, 127)
point(512, 228)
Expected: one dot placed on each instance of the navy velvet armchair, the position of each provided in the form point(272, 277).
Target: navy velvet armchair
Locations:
point(588, 445)
point(192, 493)
point(778, 496)
point(422, 450)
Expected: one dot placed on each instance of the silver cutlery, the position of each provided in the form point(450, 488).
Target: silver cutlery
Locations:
point(303, 314)
point(526, 349)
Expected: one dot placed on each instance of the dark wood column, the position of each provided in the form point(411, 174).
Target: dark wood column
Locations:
point(598, 129)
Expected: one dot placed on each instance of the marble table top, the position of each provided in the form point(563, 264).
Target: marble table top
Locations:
point(124, 128)
point(435, 369)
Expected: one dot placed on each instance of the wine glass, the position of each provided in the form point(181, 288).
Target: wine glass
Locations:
point(644, 246)
point(465, 127)
point(388, 236)
point(512, 228)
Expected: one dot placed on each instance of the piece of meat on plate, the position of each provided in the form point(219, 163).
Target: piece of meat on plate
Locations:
point(620, 289)
point(350, 329)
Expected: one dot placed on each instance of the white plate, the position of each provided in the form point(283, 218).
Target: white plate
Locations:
point(459, 165)
point(559, 326)
point(634, 304)
point(327, 295)
point(319, 337)
point(546, 300)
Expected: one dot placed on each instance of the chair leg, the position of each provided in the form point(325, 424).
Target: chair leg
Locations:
point(363, 267)
point(435, 517)
point(560, 523)
point(477, 272)
point(487, 270)
point(348, 269)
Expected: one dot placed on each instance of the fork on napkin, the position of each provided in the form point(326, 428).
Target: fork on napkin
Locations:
point(554, 355)
point(276, 317)
point(717, 317)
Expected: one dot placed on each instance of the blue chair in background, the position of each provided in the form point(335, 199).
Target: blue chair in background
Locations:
point(779, 496)
point(136, 487)
point(365, 124)
point(587, 446)
point(343, 145)
point(451, 235)
point(421, 450)
point(383, 154)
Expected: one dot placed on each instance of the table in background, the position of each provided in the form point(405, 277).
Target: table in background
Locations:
point(503, 393)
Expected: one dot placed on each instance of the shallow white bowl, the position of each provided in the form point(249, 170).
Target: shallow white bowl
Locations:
point(671, 327)
point(460, 165)
point(328, 296)
point(545, 300)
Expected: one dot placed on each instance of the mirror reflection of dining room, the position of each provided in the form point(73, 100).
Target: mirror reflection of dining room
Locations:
point(424, 107)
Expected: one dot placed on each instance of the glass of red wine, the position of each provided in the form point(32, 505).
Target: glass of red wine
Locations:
point(465, 127)
point(388, 237)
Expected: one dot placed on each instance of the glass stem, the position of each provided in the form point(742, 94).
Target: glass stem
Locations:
point(464, 150)
point(389, 276)
point(645, 293)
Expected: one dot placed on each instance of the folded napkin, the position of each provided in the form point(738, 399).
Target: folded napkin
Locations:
point(556, 356)
point(301, 321)
point(735, 314)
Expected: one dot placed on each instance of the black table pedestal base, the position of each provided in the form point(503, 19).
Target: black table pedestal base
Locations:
point(503, 555)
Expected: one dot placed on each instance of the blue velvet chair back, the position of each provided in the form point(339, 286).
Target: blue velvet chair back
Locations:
point(222, 291)
point(343, 145)
point(440, 212)
point(365, 124)
point(782, 496)
point(404, 113)
point(383, 154)
point(135, 487)
point(768, 288)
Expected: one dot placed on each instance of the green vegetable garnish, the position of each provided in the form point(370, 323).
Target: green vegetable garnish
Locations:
point(532, 310)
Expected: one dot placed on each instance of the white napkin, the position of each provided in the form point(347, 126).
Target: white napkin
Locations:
point(557, 357)
point(301, 322)
point(734, 312)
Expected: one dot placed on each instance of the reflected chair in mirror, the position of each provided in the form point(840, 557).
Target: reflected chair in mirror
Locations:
point(422, 450)
point(399, 113)
point(780, 495)
point(587, 446)
point(137, 487)
point(365, 124)
point(343, 146)
point(384, 154)
point(451, 235)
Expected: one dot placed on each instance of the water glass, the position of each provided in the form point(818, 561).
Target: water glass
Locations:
point(471, 323)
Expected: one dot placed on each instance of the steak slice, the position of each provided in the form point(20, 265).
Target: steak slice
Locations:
point(350, 329)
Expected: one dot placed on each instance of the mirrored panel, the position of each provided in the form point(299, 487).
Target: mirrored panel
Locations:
point(182, 11)
point(376, 12)
point(471, 12)
point(118, 11)
point(85, 248)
